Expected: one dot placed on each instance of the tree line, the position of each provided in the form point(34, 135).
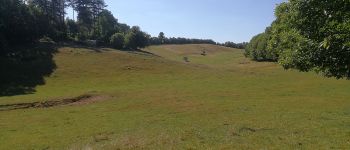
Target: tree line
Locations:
point(308, 35)
point(162, 39)
point(27, 21)
point(234, 45)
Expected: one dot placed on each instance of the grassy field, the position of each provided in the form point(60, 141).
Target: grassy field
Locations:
point(218, 101)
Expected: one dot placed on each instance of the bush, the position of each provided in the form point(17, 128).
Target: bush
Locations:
point(257, 48)
point(117, 40)
point(83, 34)
point(135, 38)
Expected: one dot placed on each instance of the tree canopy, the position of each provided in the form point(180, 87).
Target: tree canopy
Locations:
point(311, 35)
point(135, 38)
point(94, 25)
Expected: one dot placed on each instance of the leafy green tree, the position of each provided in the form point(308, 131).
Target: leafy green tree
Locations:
point(135, 38)
point(85, 16)
point(72, 28)
point(154, 41)
point(117, 41)
point(286, 42)
point(326, 26)
point(51, 17)
point(84, 33)
point(106, 26)
point(161, 37)
point(18, 23)
point(88, 15)
point(310, 35)
point(257, 47)
point(123, 28)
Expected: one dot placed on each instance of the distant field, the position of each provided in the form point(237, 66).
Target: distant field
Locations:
point(219, 100)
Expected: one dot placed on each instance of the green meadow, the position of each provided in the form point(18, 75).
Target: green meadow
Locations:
point(154, 99)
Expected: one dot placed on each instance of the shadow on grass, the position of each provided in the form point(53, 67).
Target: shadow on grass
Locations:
point(25, 68)
point(140, 52)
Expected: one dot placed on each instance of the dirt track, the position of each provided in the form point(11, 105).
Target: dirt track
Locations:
point(80, 100)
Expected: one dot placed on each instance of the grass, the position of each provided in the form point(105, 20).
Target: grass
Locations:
point(218, 101)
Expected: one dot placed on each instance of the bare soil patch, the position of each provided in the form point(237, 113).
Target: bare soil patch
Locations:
point(80, 100)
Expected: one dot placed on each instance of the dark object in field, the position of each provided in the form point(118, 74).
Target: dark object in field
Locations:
point(84, 99)
point(186, 59)
point(204, 53)
point(247, 129)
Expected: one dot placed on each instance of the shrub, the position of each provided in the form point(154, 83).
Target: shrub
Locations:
point(117, 40)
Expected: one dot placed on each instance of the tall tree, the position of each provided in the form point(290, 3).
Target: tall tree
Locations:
point(106, 26)
point(17, 22)
point(72, 28)
point(161, 37)
point(88, 10)
point(54, 12)
point(88, 13)
point(85, 16)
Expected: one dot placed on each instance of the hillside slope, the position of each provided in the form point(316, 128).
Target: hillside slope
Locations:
point(156, 100)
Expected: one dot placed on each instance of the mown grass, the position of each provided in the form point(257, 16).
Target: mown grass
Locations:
point(218, 101)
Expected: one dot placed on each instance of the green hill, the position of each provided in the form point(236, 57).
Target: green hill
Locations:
point(177, 97)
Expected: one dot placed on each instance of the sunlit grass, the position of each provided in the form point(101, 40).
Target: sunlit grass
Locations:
point(218, 101)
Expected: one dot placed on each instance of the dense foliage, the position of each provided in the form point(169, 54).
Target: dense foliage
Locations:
point(117, 40)
point(257, 48)
point(135, 38)
point(18, 24)
point(162, 39)
point(234, 45)
point(310, 35)
point(27, 21)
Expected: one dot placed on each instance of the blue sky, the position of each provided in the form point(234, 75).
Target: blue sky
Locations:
point(220, 20)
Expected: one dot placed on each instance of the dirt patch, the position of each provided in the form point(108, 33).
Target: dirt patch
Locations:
point(244, 131)
point(80, 100)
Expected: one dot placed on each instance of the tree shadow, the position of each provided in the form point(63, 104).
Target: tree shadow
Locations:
point(73, 44)
point(25, 68)
point(140, 52)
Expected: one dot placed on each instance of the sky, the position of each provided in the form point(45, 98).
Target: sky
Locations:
point(220, 20)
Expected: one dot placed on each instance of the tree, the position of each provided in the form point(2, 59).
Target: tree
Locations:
point(18, 23)
point(97, 7)
point(117, 40)
point(88, 10)
point(106, 26)
point(154, 41)
point(85, 16)
point(88, 14)
point(161, 37)
point(52, 16)
point(257, 47)
point(312, 35)
point(72, 28)
point(325, 26)
point(122, 28)
point(136, 38)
